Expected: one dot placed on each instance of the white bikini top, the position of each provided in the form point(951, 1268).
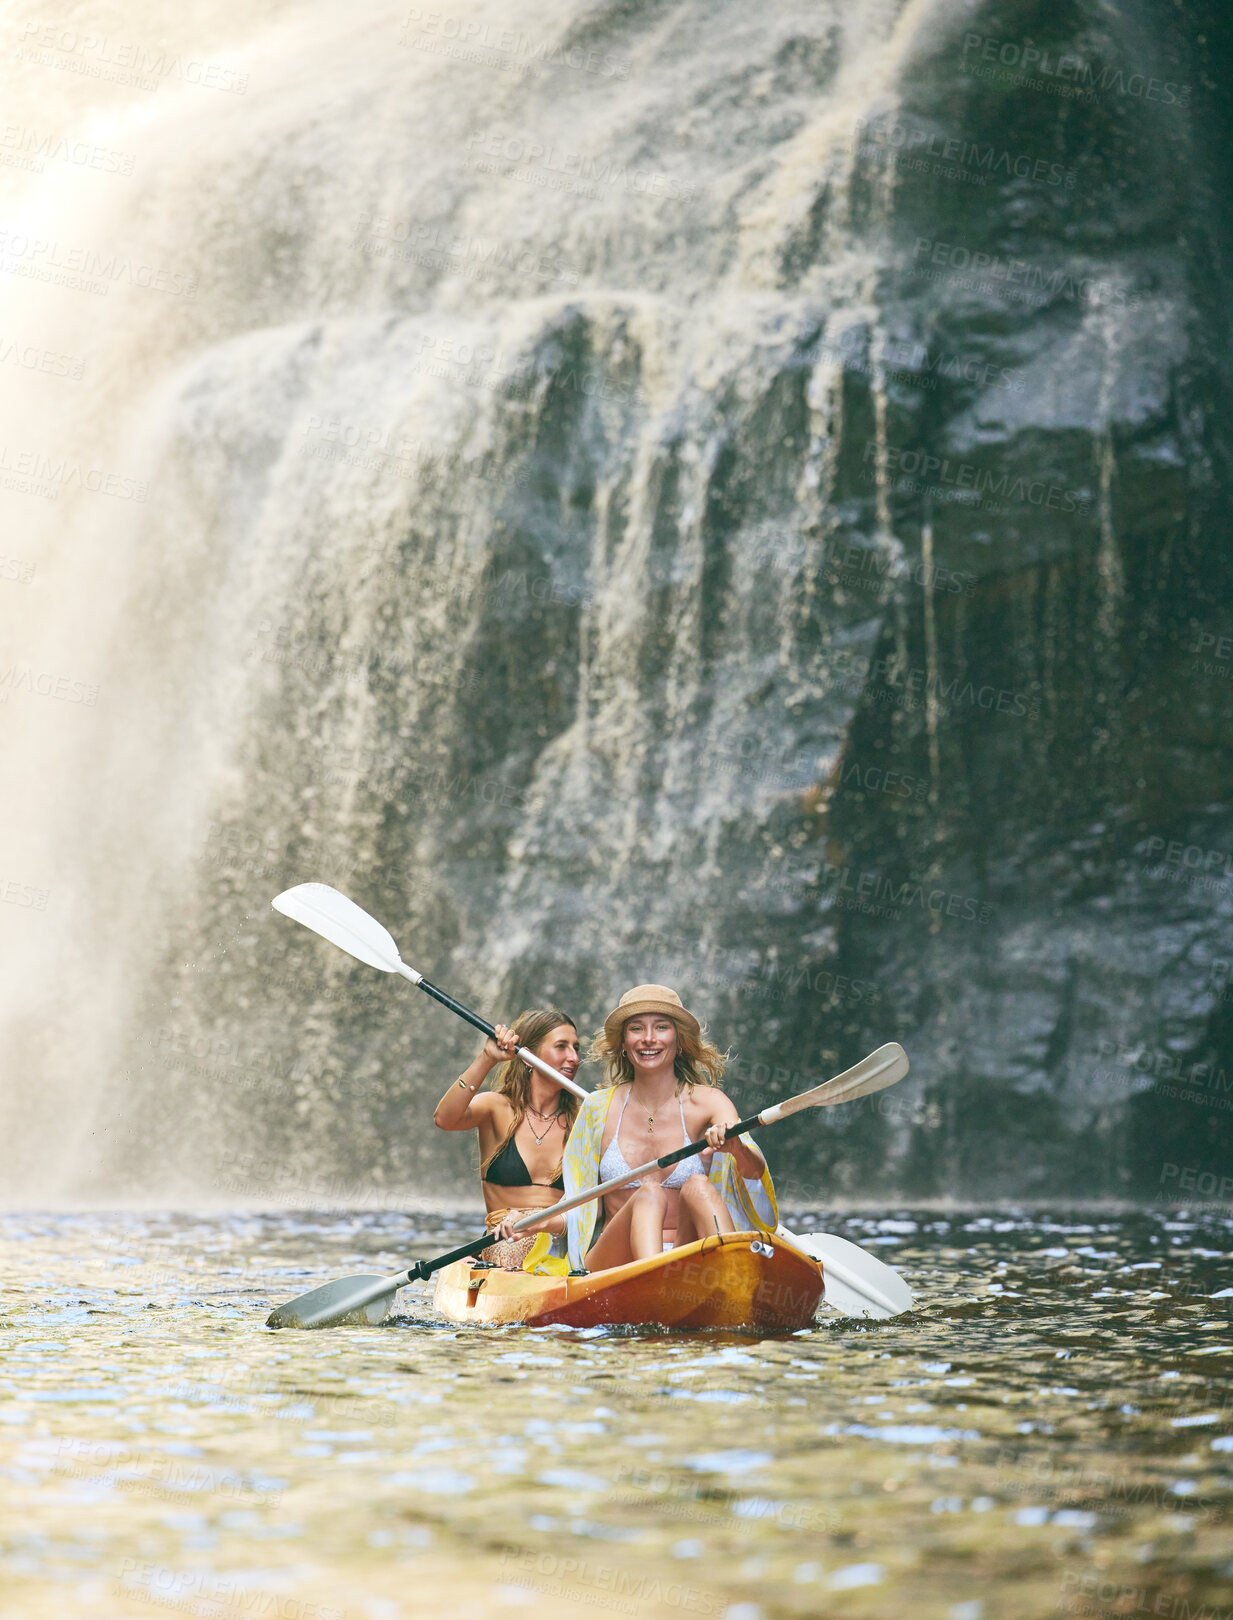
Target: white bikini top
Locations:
point(613, 1162)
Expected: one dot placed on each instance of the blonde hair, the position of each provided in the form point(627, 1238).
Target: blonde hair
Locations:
point(530, 1028)
point(697, 1062)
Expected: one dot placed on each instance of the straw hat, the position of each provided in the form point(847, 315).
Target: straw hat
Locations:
point(647, 998)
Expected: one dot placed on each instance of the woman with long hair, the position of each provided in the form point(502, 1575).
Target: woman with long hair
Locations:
point(660, 1091)
point(522, 1124)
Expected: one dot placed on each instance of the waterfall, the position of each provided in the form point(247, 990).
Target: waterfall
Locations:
point(408, 537)
point(443, 429)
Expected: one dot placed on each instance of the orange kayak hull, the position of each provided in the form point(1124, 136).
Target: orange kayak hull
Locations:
point(719, 1282)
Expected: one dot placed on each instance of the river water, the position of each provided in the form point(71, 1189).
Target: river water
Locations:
point(1049, 1432)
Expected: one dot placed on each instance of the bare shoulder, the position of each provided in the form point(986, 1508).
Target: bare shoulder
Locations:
point(492, 1105)
point(706, 1100)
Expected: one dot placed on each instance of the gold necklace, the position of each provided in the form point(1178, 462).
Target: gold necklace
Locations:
point(650, 1119)
point(553, 1119)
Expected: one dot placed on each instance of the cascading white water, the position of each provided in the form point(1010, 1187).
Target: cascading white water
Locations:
point(402, 529)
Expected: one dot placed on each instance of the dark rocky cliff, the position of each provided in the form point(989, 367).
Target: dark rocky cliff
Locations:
point(1077, 762)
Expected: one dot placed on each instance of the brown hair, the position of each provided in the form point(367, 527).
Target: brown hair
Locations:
point(697, 1062)
point(530, 1028)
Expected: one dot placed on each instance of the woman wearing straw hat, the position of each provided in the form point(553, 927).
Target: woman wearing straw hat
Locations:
point(658, 1093)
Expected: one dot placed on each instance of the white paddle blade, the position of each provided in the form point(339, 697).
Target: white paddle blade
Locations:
point(880, 1069)
point(855, 1282)
point(342, 922)
point(366, 1298)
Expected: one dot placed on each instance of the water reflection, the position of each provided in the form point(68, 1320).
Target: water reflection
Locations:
point(1049, 1432)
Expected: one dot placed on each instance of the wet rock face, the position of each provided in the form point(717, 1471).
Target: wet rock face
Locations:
point(1044, 888)
point(1020, 860)
point(754, 524)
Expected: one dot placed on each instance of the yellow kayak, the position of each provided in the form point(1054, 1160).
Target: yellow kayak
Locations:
point(732, 1280)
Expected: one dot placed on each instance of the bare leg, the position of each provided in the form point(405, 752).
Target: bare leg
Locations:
point(636, 1233)
point(701, 1211)
point(646, 1228)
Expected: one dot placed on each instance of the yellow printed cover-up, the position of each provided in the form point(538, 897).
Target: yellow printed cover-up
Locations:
point(751, 1204)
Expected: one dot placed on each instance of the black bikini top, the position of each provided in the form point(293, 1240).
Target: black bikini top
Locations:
point(507, 1168)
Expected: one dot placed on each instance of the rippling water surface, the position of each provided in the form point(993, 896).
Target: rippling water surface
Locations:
point(1050, 1432)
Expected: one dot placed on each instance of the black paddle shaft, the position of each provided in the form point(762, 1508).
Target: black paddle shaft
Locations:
point(423, 1269)
point(463, 1012)
point(680, 1153)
